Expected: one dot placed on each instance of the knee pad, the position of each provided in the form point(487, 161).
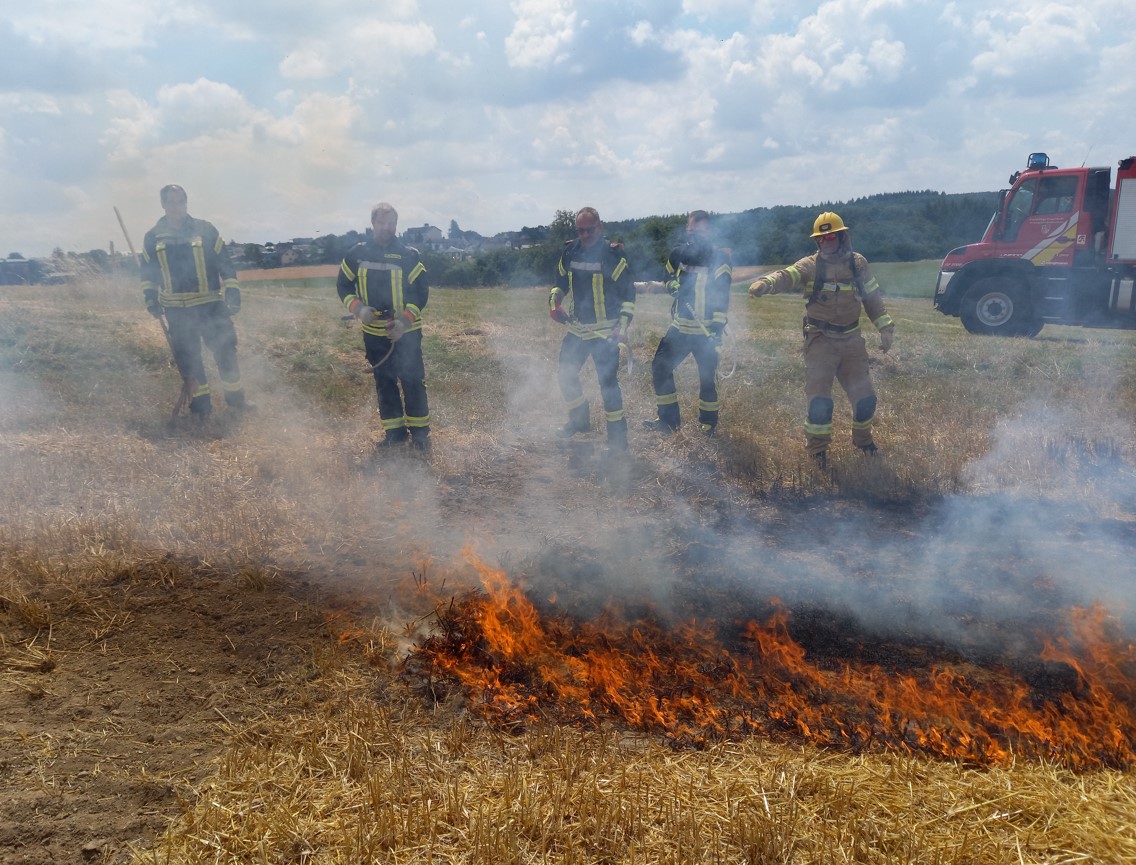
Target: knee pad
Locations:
point(865, 408)
point(820, 410)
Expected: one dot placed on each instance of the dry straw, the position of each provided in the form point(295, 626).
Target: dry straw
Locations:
point(331, 758)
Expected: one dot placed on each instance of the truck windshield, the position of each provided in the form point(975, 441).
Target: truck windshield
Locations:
point(1018, 207)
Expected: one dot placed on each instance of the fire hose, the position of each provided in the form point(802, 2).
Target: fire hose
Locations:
point(384, 358)
point(188, 384)
point(733, 344)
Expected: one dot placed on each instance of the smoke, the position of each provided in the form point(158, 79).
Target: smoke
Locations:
point(1045, 525)
point(991, 573)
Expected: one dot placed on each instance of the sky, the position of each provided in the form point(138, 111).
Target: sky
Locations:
point(290, 119)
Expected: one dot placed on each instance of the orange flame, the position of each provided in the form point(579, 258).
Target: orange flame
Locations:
point(514, 664)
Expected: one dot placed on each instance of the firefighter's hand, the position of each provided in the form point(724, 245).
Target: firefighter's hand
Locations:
point(759, 287)
point(361, 311)
point(716, 343)
point(673, 286)
point(618, 336)
point(558, 314)
point(887, 336)
point(233, 299)
point(395, 329)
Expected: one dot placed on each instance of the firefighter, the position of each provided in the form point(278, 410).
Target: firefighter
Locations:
point(595, 273)
point(188, 277)
point(700, 276)
point(839, 284)
point(383, 284)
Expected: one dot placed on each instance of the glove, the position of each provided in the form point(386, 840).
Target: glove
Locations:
point(233, 299)
point(150, 295)
point(558, 314)
point(361, 311)
point(618, 336)
point(399, 325)
point(673, 286)
point(759, 287)
point(716, 342)
point(887, 337)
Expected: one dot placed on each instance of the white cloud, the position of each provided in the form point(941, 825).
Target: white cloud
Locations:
point(542, 31)
point(1037, 46)
point(497, 115)
point(305, 65)
point(106, 23)
point(202, 107)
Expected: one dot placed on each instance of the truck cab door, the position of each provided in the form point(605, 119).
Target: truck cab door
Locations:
point(1042, 220)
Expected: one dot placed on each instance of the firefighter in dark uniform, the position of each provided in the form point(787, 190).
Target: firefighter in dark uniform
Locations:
point(383, 284)
point(597, 276)
point(839, 284)
point(188, 277)
point(700, 276)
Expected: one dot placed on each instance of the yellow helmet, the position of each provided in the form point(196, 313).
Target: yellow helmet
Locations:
point(828, 223)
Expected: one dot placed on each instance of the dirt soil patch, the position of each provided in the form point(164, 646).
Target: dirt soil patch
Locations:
point(138, 690)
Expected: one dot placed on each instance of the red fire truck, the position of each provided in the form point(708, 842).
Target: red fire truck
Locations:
point(1060, 249)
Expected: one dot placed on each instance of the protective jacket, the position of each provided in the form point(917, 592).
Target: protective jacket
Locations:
point(184, 270)
point(185, 266)
point(390, 279)
point(836, 292)
point(700, 277)
point(603, 298)
point(599, 280)
point(700, 282)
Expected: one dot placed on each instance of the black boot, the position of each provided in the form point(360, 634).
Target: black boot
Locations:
point(617, 436)
point(395, 438)
point(201, 406)
point(659, 426)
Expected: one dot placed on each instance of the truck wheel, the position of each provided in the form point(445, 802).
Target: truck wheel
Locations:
point(998, 305)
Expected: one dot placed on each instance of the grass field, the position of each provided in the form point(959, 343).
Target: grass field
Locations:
point(248, 641)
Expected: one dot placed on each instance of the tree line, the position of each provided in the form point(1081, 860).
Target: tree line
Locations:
point(890, 227)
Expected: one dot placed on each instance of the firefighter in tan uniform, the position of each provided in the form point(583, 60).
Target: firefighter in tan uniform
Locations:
point(839, 284)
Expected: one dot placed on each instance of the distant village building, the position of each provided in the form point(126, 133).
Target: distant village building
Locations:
point(18, 271)
point(428, 237)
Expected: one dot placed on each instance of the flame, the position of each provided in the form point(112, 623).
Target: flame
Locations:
point(514, 664)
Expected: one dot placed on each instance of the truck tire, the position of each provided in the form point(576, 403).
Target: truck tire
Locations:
point(998, 305)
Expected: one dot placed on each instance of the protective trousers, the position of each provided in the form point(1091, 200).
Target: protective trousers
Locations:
point(212, 324)
point(842, 357)
point(574, 353)
point(400, 383)
point(672, 351)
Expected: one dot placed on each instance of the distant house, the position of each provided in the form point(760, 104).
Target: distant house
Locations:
point(287, 253)
point(428, 237)
point(19, 271)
